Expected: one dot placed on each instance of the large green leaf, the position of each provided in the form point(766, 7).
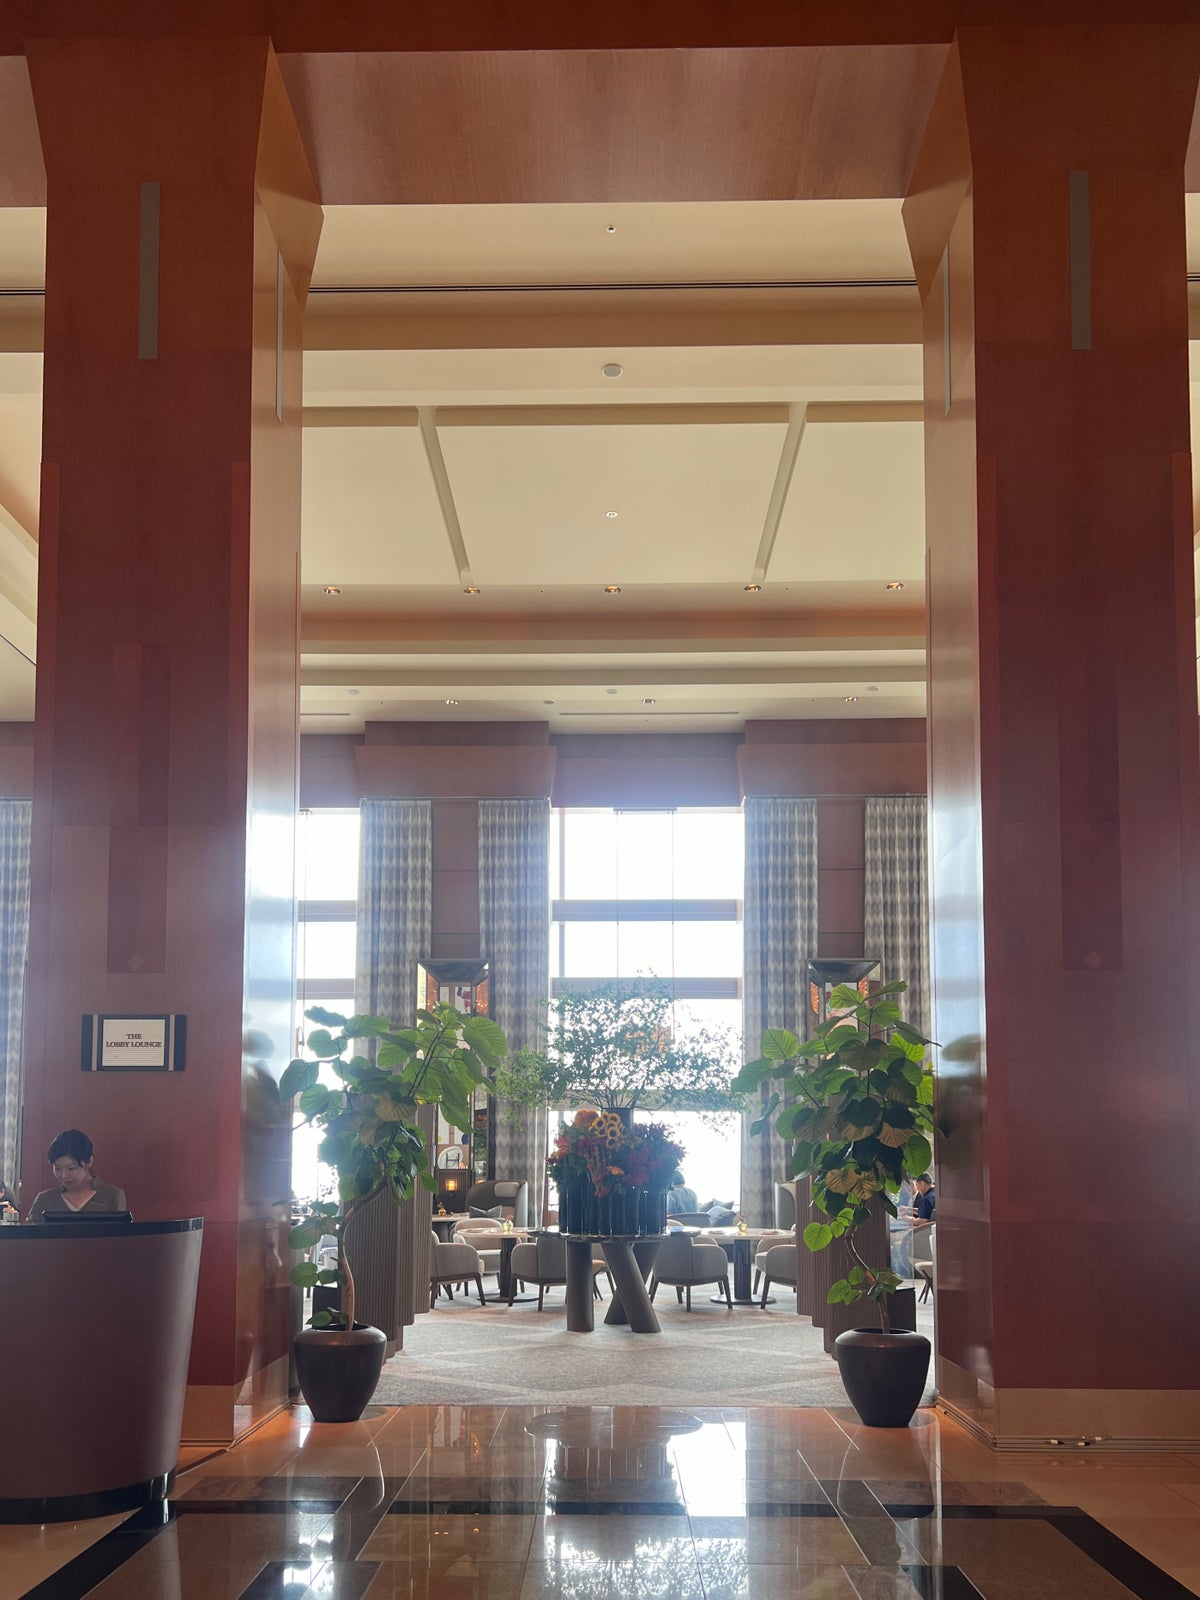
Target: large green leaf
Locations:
point(752, 1075)
point(858, 1118)
point(305, 1273)
point(329, 1019)
point(817, 1235)
point(297, 1075)
point(486, 1037)
point(843, 996)
point(315, 1099)
point(779, 1045)
point(320, 1042)
point(918, 1155)
point(393, 1054)
point(898, 1126)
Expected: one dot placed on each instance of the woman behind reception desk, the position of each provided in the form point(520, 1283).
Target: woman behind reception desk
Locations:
point(70, 1158)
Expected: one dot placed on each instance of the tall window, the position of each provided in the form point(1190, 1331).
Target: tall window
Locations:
point(658, 893)
point(327, 890)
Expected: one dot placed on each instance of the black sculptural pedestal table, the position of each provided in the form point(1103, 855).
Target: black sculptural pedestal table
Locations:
point(629, 1258)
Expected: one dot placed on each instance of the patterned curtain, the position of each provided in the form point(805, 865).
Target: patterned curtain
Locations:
point(14, 946)
point(514, 936)
point(780, 940)
point(395, 920)
point(896, 898)
point(395, 899)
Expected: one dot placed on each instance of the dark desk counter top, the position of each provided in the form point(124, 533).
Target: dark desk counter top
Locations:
point(25, 1232)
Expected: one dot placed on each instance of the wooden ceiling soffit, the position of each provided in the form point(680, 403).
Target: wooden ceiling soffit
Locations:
point(448, 772)
point(617, 318)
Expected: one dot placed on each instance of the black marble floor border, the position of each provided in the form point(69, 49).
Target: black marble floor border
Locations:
point(353, 1520)
point(100, 1560)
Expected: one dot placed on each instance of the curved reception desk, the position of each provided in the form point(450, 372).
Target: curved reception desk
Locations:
point(94, 1345)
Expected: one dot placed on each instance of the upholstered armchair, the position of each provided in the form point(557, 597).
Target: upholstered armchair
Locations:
point(768, 1242)
point(510, 1194)
point(780, 1264)
point(542, 1261)
point(682, 1263)
point(453, 1262)
point(483, 1235)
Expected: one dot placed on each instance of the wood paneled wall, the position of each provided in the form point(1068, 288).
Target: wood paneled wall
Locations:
point(1047, 226)
point(165, 744)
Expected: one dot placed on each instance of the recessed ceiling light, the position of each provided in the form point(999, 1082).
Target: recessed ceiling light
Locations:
point(547, 702)
point(751, 588)
point(895, 584)
point(612, 588)
point(610, 369)
point(331, 588)
point(612, 513)
point(649, 701)
point(352, 691)
point(472, 588)
point(451, 702)
point(872, 688)
point(612, 228)
point(610, 691)
point(851, 699)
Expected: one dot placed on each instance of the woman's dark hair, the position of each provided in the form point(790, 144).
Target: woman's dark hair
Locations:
point(71, 1143)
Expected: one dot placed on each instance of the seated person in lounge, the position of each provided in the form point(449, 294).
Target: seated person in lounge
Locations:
point(7, 1199)
point(680, 1199)
point(76, 1185)
point(924, 1202)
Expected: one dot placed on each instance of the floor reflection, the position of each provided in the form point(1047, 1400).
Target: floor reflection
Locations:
point(634, 1503)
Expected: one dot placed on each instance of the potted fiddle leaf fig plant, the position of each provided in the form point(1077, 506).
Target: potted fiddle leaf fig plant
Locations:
point(856, 1103)
point(370, 1138)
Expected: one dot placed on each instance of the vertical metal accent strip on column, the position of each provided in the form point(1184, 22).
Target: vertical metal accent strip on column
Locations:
point(946, 382)
point(1079, 214)
point(279, 337)
point(148, 246)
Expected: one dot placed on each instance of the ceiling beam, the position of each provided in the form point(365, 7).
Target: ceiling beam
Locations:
point(445, 495)
point(634, 414)
point(604, 676)
point(589, 642)
point(790, 449)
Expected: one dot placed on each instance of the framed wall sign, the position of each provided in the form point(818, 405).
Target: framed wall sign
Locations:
point(133, 1044)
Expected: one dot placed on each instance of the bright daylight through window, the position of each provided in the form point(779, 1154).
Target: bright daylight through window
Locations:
point(327, 891)
point(635, 893)
point(641, 893)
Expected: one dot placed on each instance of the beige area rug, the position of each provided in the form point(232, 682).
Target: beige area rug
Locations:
point(467, 1354)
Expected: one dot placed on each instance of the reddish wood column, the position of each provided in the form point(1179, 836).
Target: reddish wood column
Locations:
point(1046, 220)
point(182, 225)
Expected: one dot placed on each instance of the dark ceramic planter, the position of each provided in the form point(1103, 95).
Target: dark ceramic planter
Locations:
point(884, 1374)
point(338, 1369)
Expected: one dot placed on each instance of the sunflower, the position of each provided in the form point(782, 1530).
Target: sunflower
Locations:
point(611, 1129)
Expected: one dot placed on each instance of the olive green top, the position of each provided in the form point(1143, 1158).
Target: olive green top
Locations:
point(52, 1202)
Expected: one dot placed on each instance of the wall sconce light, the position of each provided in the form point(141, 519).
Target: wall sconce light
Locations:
point(451, 1184)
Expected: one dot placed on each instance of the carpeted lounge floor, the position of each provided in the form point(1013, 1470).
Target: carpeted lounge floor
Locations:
point(465, 1353)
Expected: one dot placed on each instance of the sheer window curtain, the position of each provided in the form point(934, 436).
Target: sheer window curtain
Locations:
point(514, 935)
point(896, 897)
point(15, 818)
point(395, 918)
point(780, 914)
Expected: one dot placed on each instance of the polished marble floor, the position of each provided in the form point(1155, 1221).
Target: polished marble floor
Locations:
point(596, 1503)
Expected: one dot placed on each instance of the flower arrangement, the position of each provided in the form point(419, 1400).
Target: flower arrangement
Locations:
point(600, 1146)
